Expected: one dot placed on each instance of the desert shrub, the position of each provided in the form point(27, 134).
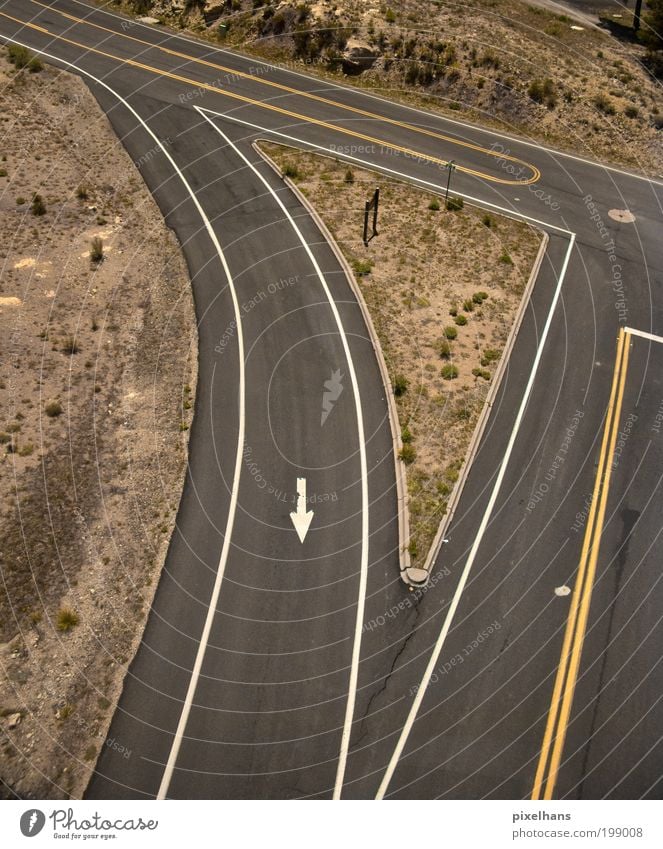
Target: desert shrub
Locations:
point(481, 372)
point(604, 104)
point(38, 206)
point(488, 220)
point(400, 385)
point(291, 170)
point(408, 454)
point(96, 250)
point(468, 304)
point(454, 204)
point(443, 348)
point(53, 409)
point(67, 619)
point(406, 435)
point(505, 258)
point(461, 320)
point(349, 176)
point(70, 345)
point(81, 193)
point(20, 57)
point(449, 371)
point(434, 205)
point(479, 297)
point(390, 16)
point(490, 355)
point(543, 91)
point(362, 267)
point(631, 111)
point(450, 332)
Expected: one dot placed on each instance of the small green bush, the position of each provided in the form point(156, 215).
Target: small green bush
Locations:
point(451, 333)
point(434, 205)
point(53, 409)
point(362, 267)
point(488, 220)
point(505, 257)
point(20, 57)
point(20, 201)
point(449, 371)
point(468, 305)
point(479, 297)
point(461, 320)
point(444, 348)
point(406, 435)
point(390, 16)
point(407, 454)
point(455, 204)
point(604, 104)
point(349, 176)
point(81, 193)
point(67, 619)
point(481, 372)
point(631, 111)
point(490, 355)
point(400, 385)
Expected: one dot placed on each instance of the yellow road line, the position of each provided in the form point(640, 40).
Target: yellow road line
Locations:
point(567, 671)
point(536, 174)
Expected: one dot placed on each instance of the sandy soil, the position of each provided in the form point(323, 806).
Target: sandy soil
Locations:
point(424, 265)
point(97, 380)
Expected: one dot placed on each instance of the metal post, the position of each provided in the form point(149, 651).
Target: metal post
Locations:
point(636, 15)
point(450, 166)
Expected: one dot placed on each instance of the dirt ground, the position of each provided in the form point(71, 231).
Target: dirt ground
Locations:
point(502, 63)
point(97, 380)
point(424, 265)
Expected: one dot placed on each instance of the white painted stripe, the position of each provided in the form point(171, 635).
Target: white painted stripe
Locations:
point(363, 574)
point(195, 674)
point(374, 166)
point(416, 704)
point(651, 336)
point(436, 116)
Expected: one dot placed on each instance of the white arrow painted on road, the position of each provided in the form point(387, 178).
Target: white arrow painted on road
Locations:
point(301, 519)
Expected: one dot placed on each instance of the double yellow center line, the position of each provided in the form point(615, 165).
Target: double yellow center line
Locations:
point(567, 671)
point(494, 155)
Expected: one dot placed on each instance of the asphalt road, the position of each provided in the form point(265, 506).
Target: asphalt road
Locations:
point(274, 688)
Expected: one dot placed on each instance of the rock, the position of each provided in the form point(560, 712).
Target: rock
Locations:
point(358, 56)
point(13, 720)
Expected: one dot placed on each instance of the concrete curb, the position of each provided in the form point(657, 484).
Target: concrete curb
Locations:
point(473, 447)
point(399, 466)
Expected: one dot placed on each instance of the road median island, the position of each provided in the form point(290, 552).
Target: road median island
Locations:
point(444, 289)
point(97, 387)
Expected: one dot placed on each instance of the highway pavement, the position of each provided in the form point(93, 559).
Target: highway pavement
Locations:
point(275, 668)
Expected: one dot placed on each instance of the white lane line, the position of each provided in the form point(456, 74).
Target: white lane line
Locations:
point(374, 166)
point(363, 575)
point(416, 704)
point(195, 674)
point(327, 84)
point(651, 336)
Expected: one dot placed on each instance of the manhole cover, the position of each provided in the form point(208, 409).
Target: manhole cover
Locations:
point(625, 216)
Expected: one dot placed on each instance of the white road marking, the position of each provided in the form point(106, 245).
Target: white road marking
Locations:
point(373, 166)
point(327, 84)
point(195, 674)
point(643, 333)
point(430, 668)
point(302, 517)
point(363, 574)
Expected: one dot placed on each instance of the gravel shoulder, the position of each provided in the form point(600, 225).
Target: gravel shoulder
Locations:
point(97, 386)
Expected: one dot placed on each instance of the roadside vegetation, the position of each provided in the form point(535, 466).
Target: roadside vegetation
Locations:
point(442, 303)
point(504, 63)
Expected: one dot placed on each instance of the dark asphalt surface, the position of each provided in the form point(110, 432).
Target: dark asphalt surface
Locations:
point(268, 710)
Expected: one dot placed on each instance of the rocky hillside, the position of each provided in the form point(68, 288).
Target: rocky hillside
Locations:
point(494, 61)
